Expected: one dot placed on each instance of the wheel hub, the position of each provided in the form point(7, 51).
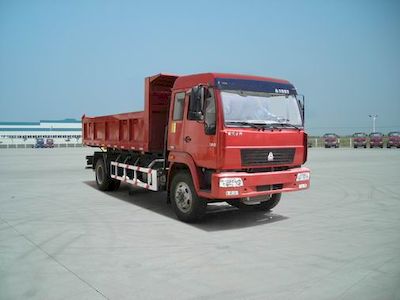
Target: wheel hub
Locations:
point(183, 197)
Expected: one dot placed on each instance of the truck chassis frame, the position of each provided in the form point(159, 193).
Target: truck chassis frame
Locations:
point(130, 174)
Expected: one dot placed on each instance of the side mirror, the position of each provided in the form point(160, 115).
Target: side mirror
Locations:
point(301, 102)
point(196, 103)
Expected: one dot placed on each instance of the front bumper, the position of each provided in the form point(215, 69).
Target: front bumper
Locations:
point(376, 143)
point(257, 184)
point(331, 144)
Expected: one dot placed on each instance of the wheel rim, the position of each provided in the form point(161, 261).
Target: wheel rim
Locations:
point(183, 197)
point(99, 174)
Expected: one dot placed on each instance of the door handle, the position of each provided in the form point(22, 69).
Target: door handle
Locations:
point(188, 139)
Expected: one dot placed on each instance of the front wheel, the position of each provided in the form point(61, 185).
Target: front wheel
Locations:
point(265, 205)
point(188, 206)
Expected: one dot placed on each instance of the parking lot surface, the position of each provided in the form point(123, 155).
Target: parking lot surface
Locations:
point(61, 238)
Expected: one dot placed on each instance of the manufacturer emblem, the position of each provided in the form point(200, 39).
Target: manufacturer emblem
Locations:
point(270, 156)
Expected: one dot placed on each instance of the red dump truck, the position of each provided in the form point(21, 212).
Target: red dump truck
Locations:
point(205, 138)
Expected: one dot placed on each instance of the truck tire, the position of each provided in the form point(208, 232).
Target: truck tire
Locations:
point(187, 205)
point(265, 205)
point(103, 179)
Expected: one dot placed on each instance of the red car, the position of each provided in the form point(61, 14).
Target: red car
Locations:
point(376, 140)
point(394, 139)
point(360, 140)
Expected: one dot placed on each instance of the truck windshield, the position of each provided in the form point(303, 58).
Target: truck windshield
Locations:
point(359, 135)
point(246, 108)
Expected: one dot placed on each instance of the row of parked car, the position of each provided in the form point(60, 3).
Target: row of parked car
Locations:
point(41, 143)
point(361, 140)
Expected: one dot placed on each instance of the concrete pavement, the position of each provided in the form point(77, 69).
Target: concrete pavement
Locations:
point(61, 238)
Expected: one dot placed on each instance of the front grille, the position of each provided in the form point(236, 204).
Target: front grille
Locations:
point(263, 188)
point(265, 157)
point(268, 169)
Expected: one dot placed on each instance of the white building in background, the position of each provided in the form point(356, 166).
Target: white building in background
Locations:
point(64, 133)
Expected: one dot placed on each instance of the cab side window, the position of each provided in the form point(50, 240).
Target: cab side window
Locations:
point(179, 105)
point(209, 109)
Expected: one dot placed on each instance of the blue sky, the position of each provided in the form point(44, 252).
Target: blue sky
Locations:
point(61, 59)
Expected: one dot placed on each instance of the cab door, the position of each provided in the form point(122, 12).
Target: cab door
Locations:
point(201, 145)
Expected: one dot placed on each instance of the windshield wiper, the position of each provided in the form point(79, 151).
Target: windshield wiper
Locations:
point(286, 124)
point(245, 123)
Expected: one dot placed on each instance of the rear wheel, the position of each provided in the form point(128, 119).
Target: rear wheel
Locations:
point(188, 206)
point(103, 179)
point(265, 205)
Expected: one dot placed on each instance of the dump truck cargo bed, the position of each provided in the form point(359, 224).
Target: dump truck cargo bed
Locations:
point(125, 131)
point(137, 131)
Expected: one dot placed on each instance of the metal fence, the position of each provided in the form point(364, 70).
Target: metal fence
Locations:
point(24, 146)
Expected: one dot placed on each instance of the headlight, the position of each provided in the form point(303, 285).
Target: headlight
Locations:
point(230, 182)
point(303, 176)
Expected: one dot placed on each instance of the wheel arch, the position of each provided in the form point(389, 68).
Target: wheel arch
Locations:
point(180, 162)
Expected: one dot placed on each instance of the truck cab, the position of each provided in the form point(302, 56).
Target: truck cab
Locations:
point(360, 140)
point(39, 143)
point(49, 143)
point(376, 140)
point(393, 139)
point(242, 137)
point(331, 140)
